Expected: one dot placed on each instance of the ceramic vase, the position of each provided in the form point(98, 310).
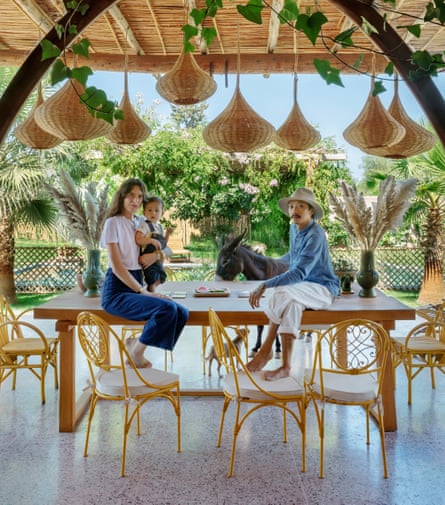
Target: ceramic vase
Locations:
point(367, 276)
point(93, 275)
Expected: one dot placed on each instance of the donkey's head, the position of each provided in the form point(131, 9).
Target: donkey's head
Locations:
point(230, 262)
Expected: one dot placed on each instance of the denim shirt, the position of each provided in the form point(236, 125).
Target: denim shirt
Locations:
point(309, 259)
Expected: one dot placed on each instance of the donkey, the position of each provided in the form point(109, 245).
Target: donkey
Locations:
point(235, 258)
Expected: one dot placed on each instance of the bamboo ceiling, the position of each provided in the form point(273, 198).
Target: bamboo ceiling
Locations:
point(149, 31)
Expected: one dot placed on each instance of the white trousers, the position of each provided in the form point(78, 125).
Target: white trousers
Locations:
point(287, 303)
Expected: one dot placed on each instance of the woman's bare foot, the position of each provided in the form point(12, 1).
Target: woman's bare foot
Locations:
point(259, 361)
point(138, 357)
point(279, 373)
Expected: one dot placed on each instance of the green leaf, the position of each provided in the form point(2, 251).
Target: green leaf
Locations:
point(252, 11)
point(378, 88)
point(389, 68)
point(435, 10)
point(188, 47)
point(189, 31)
point(72, 30)
point(60, 29)
point(72, 4)
point(81, 48)
point(59, 72)
point(198, 15)
point(208, 34)
point(311, 25)
point(289, 12)
point(329, 74)
point(83, 8)
point(415, 30)
point(81, 74)
point(49, 50)
point(367, 27)
point(358, 61)
point(344, 38)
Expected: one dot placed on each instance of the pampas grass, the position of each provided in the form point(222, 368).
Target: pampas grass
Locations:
point(83, 209)
point(368, 224)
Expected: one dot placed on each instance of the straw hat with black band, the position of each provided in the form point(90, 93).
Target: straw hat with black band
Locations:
point(302, 195)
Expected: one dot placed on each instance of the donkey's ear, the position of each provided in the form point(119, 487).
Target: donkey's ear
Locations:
point(235, 242)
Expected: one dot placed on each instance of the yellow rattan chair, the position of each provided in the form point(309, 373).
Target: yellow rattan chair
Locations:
point(240, 331)
point(423, 347)
point(349, 361)
point(250, 389)
point(122, 382)
point(24, 346)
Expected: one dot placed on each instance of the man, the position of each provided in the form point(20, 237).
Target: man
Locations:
point(310, 282)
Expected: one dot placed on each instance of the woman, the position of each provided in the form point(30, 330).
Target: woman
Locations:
point(123, 292)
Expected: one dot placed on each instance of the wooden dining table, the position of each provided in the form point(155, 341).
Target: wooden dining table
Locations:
point(230, 300)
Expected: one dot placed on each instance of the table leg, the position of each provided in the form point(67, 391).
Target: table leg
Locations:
point(67, 390)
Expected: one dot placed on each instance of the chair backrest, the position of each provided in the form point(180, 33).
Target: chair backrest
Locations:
point(219, 336)
point(7, 314)
point(94, 336)
point(353, 347)
point(433, 312)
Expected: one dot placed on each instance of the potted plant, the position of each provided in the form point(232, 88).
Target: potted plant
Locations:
point(84, 210)
point(368, 223)
point(346, 272)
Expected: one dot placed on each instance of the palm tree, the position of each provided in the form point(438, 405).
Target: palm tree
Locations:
point(21, 201)
point(427, 215)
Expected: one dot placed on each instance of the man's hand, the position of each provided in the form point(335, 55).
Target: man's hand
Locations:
point(255, 296)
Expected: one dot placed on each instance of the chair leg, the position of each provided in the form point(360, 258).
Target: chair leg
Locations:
point(234, 439)
point(221, 423)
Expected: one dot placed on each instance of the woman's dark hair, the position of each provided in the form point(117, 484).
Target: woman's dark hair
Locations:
point(117, 203)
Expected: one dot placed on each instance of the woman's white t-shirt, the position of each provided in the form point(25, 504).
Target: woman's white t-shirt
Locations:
point(121, 231)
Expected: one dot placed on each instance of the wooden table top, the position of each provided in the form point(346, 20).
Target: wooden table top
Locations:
point(234, 309)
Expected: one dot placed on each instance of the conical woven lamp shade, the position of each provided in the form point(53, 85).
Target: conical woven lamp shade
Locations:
point(374, 127)
point(238, 128)
point(416, 140)
point(65, 116)
point(30, 133)
point(186, 83)
point(296, 133)
point(131, 129)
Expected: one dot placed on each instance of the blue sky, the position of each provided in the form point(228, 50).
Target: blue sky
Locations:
point(329, 108)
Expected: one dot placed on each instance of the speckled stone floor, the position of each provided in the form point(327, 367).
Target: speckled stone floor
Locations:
point(39, 465)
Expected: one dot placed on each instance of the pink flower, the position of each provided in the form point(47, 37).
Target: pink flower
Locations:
point(273, 183)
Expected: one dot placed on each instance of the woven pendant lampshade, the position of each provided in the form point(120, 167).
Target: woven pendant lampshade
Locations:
point(186, 83)
point(30, 133)
point(416, 140)
point(238, 129)
point(131, 129)
point(296, 133)
point(374, 127)
point(65, 116)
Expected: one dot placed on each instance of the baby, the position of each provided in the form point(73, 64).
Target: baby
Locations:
point(150, 236)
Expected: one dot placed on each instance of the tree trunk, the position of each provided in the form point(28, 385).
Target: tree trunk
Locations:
point(433, 286)
point(7, 286)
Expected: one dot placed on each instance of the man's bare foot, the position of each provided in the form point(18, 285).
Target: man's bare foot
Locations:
point(279, 373)
point(259, 361)
point(137, 358)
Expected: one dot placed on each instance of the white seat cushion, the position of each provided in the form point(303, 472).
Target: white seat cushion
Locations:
point(289, 386)
point(346, 388)
point(111, 383)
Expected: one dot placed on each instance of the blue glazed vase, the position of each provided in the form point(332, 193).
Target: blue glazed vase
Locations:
point(367, 276)
point(93, 276)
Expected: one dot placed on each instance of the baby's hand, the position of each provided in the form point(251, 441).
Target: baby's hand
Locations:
point(156, 243)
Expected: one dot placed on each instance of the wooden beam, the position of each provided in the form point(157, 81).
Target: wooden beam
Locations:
point(250, 63)
point(39, 17)
point(126, 30)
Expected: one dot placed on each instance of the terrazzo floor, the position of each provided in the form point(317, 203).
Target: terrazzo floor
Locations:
point(39, 465)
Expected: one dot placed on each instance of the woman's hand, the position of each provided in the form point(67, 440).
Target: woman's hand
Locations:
point(255, 296)
point(145, 291)
point(148, 259)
